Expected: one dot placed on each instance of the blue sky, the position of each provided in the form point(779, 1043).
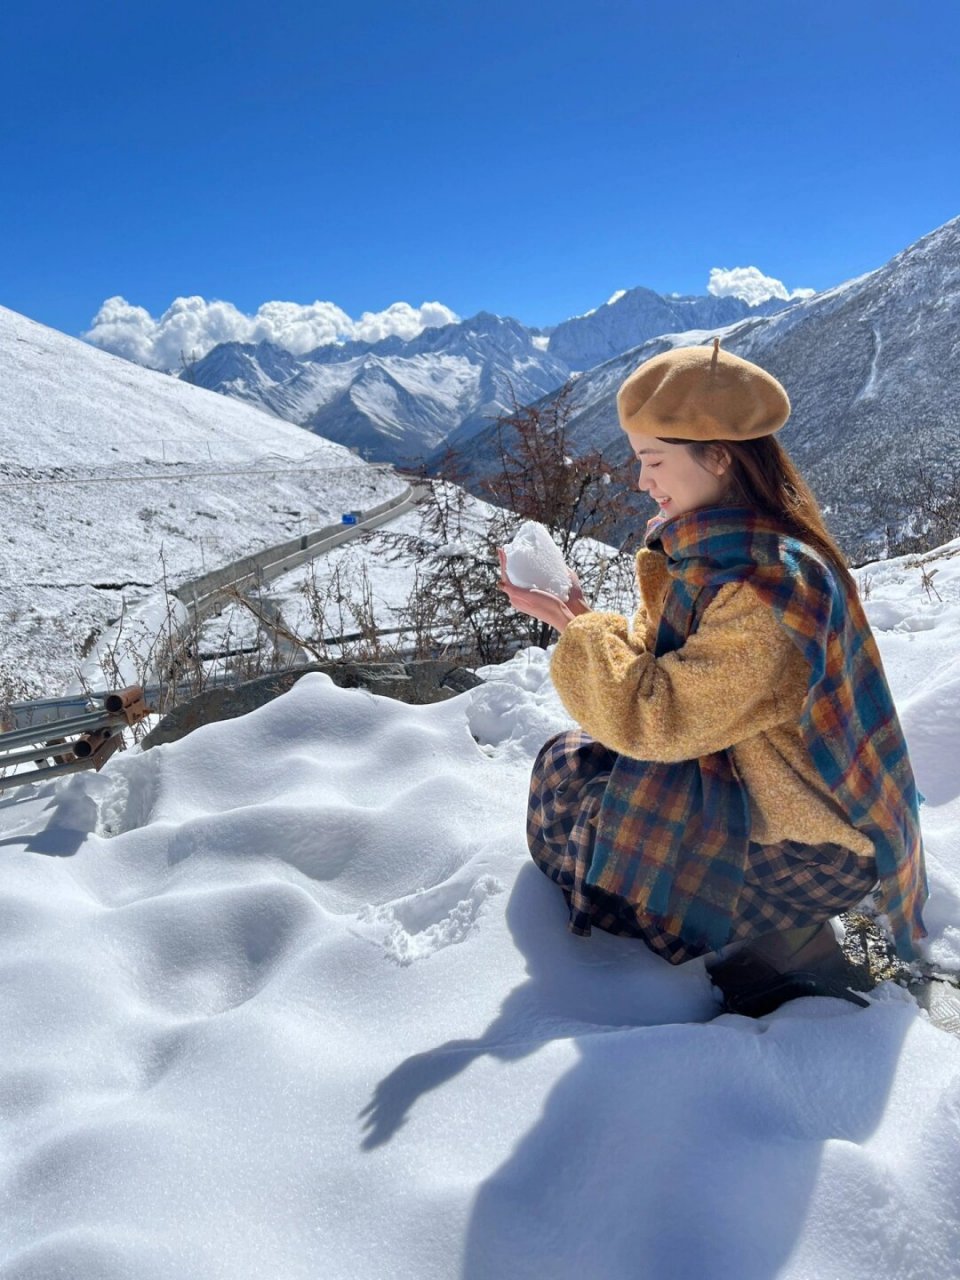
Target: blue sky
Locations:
point(522, 158)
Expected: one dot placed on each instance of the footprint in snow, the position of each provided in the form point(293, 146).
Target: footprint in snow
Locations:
point(423, 923)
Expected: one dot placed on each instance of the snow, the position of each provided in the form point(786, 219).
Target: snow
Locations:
point(699, 337)
point(533, 559)
point(870, 386)
point(439, 381)
point(288, 998)
point(301, 396)
point(917, 629)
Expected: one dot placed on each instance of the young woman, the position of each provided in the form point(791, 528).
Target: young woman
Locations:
point(739, 774)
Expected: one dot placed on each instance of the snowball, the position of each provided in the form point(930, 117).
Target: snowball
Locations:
point(534, 560)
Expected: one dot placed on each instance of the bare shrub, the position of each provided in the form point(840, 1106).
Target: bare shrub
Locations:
point(926, 583)
point(932, 497)
point(14, 687)
point(343, 616)
point(540, 476)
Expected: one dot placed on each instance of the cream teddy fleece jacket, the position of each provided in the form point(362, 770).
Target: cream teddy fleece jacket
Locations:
point(738, 682)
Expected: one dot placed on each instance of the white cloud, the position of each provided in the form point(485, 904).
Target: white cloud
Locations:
point(402, 320)
point(750, 284)
point(194, 326)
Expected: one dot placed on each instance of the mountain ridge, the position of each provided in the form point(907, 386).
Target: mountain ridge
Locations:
point(449, 381)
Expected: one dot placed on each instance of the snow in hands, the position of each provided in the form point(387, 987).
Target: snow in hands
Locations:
point(533, 559)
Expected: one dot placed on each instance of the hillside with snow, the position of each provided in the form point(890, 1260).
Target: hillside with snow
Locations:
point(116, 479)
point(396, 579)
point(289, 999)
point(868, 366)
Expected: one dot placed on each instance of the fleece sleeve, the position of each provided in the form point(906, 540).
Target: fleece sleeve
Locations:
point(738, 675)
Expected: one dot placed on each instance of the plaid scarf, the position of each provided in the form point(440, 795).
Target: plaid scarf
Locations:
point(672, 838)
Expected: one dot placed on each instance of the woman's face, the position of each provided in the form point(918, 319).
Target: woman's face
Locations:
point(677, 480)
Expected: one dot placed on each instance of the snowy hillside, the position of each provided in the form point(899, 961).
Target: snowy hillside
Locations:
point(386, 573)
point(288, 999)
point(105, 465)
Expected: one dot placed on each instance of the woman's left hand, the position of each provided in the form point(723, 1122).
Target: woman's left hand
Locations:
point(542, 605)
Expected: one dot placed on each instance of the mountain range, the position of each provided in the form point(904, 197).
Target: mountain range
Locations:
point(401, 400)
point(394, 400)
point(638, 314)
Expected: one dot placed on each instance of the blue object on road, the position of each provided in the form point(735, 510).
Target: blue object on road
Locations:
point(348, 517)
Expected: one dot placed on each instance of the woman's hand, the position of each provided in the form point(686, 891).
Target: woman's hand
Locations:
point(543, 605)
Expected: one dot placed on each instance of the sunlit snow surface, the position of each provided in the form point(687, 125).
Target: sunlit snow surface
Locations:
point(288, 999)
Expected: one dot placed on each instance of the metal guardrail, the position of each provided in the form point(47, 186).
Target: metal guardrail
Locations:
point(72, 743)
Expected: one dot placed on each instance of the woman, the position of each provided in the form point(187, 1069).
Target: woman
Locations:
point(740, 775)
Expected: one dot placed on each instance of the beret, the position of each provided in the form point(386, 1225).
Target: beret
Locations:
point(702, 393)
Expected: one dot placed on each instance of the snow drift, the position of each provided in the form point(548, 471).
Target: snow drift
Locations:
point(288, 998)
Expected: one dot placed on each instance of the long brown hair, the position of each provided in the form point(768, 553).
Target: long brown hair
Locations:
point(764, 476)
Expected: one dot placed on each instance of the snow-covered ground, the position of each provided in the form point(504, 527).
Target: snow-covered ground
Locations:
point(114, 478)
point(288, 999)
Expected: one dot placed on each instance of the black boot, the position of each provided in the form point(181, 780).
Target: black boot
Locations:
point(781, 966)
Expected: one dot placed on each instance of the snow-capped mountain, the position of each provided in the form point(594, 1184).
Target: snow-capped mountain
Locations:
point(396, 399)
point(873, 375)
point(114, 477)
point(639, 314)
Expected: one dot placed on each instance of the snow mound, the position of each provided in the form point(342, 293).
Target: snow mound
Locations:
point(932, 725)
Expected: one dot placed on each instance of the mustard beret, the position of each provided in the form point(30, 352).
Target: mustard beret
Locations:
point(702, 393)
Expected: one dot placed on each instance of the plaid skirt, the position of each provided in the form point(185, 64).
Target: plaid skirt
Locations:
point(786, 885)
